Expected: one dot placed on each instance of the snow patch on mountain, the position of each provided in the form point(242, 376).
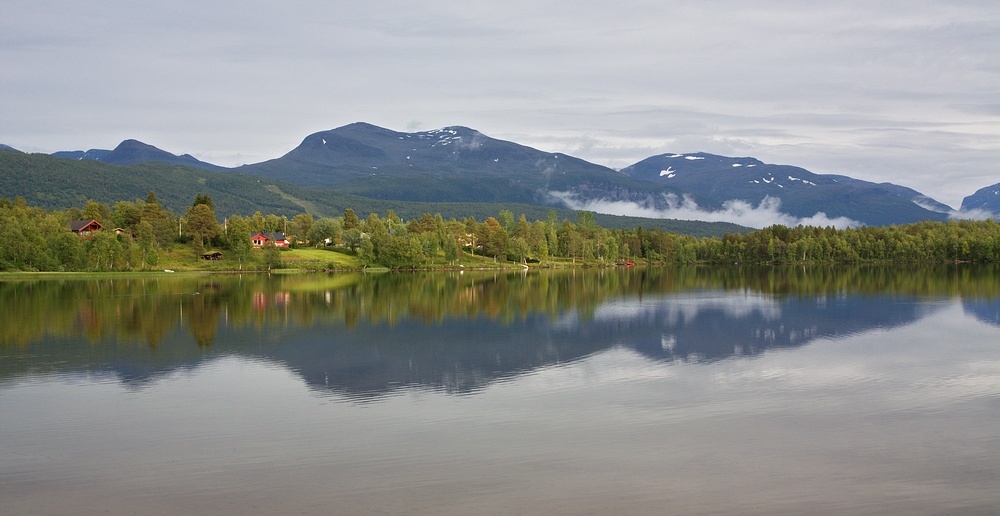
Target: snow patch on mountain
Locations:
point(805, 181)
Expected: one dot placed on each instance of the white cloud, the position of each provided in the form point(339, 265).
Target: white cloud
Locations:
point(767, 213)
point(976, 214)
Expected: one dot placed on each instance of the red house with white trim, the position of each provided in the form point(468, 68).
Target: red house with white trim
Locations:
point(260, 239)
point(84, 227)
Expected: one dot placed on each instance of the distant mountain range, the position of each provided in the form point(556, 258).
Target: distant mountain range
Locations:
point(459, 164)
point(802, 193)
point(130, 152)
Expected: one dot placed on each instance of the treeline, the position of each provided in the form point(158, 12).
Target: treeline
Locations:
point(138, 232)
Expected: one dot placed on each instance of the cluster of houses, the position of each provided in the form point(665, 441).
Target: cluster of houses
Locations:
point(259, 239)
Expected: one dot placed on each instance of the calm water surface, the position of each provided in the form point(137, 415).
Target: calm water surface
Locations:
point(690, 391)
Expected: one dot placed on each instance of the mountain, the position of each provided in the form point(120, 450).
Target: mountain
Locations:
point(717, 179)
point(459, 164)
point(51, 182)
point(8, 147)
point(92, 154)
point(985, 199)
point(130, 152)
point(445, 165)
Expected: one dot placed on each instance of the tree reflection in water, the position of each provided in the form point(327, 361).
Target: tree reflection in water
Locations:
point(367, 335)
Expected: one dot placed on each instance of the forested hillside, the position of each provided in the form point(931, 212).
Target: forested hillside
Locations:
point(57, 183)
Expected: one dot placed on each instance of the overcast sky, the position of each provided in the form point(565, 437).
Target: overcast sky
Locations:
point(901, 91)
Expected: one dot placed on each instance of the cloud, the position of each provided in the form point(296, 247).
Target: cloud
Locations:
point(976, 214)
point(767, 213)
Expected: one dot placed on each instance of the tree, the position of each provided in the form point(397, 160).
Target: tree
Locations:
point(163, 226)
point(519, 247)
point(301, 224)
point(147, 242)
point(451, 248)
point(353, 238)
point(424, 224)
point(97, 211)
point(273, 222)
point(239, 239)
point(104, 250)
point(366, 252)
point(506, 220)
point(585, 223)
point(375, 227)
point(204, 199)
point(325, 230)
point(202, 225)
point(350, 219)
point(126, 215)
point(400, 251)
point(257, 222)
point(272, 256)
point(493, 238)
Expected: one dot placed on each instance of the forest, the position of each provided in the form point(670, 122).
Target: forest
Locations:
point(142, 235)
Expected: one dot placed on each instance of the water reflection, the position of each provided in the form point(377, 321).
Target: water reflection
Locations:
point(673, 391)
point(367, 336)
point(985, 309)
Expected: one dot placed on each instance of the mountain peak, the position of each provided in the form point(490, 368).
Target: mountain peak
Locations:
point(131, 151)
point(985, 199)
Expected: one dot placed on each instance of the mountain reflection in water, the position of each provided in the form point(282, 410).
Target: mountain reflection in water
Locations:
point(367, 336)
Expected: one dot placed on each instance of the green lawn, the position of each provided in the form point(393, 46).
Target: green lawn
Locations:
point(318, 258)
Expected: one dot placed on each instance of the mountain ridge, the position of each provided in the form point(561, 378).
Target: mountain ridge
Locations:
point(58, 183)
point(461, 164)
point(131, 152)
point(986, 198)
point(803, 193)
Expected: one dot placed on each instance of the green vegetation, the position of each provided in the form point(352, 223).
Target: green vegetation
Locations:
point(142, 235)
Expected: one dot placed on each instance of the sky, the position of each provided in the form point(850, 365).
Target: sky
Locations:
point(906, 92)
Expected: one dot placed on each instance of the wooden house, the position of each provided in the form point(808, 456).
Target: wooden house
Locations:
point(260, 239)
point(84, 227)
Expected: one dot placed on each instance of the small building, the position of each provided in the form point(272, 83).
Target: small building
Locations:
point(260, 239)
point(84, 227)
point(214, 255)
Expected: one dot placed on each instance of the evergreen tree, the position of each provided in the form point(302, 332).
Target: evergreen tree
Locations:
point(350, 219)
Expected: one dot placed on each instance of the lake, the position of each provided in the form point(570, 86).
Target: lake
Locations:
point(691, 390)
